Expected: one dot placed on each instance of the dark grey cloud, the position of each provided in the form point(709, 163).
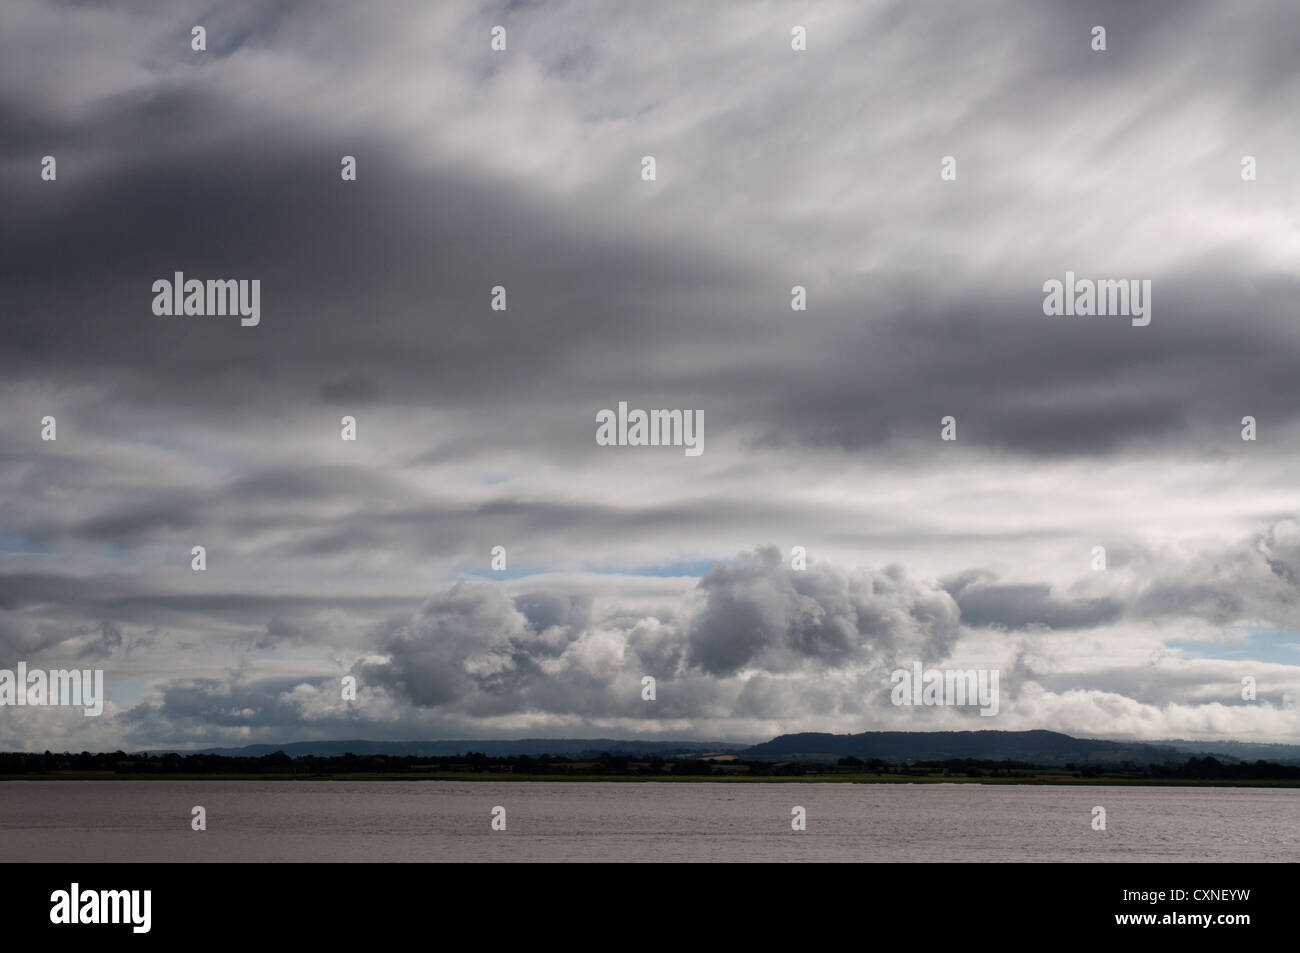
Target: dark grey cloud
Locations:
point(380, 286)
point(109, 641)
point(461, 643)
point(759, 611)
point(984, 603)
point(1254, 581)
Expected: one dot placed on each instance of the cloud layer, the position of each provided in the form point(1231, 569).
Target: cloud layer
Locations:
point(775, 168)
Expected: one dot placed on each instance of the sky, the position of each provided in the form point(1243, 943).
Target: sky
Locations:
point(522, 168)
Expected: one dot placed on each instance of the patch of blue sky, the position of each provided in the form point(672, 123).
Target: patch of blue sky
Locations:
point(1281, 646)
point(16, 543)
point(686, 568)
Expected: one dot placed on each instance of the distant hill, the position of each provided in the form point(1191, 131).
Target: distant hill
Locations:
point(1036, 747)
point(569, 747)
point(1242, 750)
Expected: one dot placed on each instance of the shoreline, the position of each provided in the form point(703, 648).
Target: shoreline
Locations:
point(685, 779)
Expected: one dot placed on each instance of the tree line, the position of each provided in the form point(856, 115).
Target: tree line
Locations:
point(279, 763)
